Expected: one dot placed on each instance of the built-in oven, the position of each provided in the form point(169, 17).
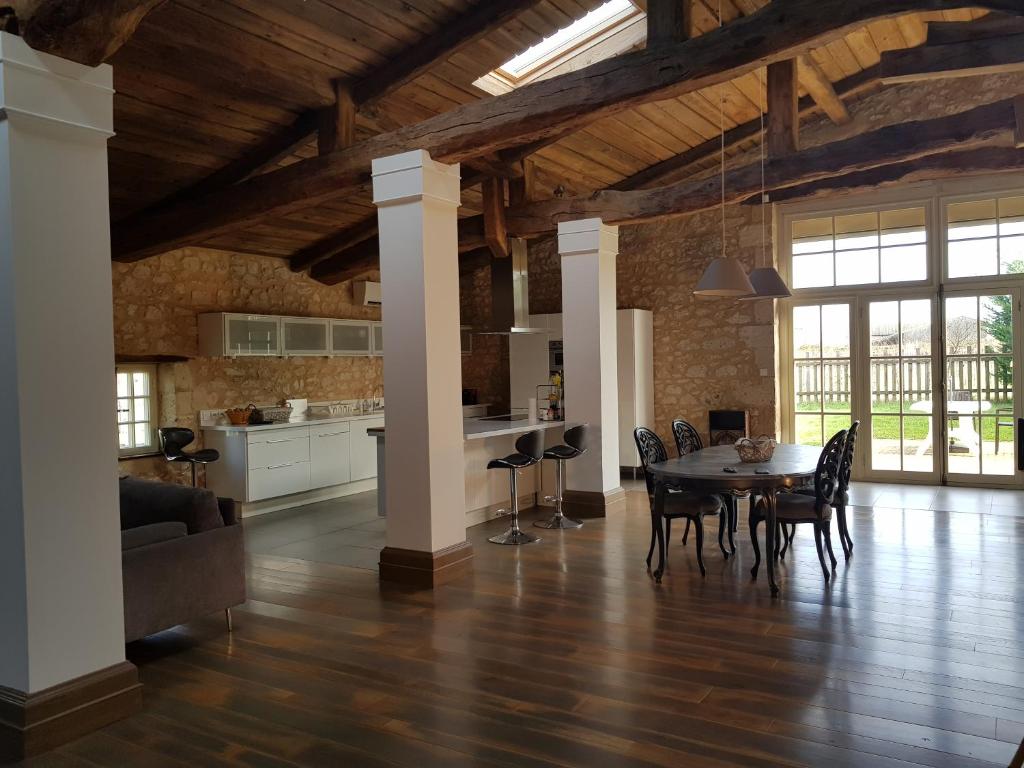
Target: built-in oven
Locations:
point(555, 356)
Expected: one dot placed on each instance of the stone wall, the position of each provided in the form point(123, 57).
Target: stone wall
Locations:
point(157, 301)
point(708, 353)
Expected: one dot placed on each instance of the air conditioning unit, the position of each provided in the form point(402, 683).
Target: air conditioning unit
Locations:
point(367, 293)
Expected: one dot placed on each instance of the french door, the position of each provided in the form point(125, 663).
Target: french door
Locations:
point(981, 346)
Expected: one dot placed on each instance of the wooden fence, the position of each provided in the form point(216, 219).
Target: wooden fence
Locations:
point(966, 376)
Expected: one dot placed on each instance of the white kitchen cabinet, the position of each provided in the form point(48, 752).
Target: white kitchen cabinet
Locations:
point(377, 338)
point(364, 449)
point(278, 480)
point(351, 337)
point(224, 334)
point(330, 455)
point(305, 336)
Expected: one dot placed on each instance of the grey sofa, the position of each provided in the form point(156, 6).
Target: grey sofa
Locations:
point(182, 555)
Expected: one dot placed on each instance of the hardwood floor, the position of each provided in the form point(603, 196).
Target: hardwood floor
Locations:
point(566, 653)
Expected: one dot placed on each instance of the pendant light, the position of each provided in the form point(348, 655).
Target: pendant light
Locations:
point(766, 280)
point(724, 276)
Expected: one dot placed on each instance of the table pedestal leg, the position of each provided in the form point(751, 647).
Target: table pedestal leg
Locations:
point(658, 518)
point(769, 537)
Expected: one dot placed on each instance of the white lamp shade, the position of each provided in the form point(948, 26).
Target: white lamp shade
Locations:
point(768, 284)
point(724, 277)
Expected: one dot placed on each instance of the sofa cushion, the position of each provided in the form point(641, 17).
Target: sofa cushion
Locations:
point(144, 535)
point(144, 502)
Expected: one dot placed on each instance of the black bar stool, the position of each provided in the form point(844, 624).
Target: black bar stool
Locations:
point(172, 443)
point(576, 445)
point(529, 451)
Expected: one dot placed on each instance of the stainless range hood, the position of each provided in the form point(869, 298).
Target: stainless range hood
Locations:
point(510, 293)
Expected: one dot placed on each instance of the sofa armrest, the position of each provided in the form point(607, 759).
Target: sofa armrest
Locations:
point(228, 510)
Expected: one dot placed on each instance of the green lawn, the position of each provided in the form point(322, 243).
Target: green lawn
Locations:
point(886, 427)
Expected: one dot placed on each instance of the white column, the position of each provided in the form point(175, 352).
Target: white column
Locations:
point(60, 554)
point(589, 329)
point(417, 201)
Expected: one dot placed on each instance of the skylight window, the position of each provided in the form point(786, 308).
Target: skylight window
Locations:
point(613, 24)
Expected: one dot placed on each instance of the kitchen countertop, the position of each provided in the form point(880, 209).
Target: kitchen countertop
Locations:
point(480, 428)
point(303, 422)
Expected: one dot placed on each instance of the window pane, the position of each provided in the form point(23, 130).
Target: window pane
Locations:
point(885, 386)
point(961, 325)
point(885, 442)
point(142, 435)
point(808, 430)
point(124, 434)
point(904, 263)
point(993, 463)
point(835, 330)
point(808, 385)
point(836, 422)
point(918, 454)
point(141, 410)
point(972, 219)
point(124, 410)
point(812, 236)
point(835, 383)
point(856, 231)
point(997, 380)
point(1011, 255)
point(996, 325)
point(812, 271)
point(1011, 216)
point(885, 330)
point(916, 327)
point(970, 258)
point(857, 267)
point(916, 376)
point(806, 332)
point(903, 227)
point(140, 383)
point(124, 387)
point(962, 385)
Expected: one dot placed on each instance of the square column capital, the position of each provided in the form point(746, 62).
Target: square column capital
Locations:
point(412, 176)
point(48, 90)
point(587, 236)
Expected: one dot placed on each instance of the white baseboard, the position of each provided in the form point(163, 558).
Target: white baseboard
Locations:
point(255, 508)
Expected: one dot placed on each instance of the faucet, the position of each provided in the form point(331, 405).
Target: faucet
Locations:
point(378, 395)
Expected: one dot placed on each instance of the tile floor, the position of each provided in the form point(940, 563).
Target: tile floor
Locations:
point(348, 532)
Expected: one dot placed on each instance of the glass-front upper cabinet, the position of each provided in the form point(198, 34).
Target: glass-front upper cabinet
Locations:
point(235, 335)
point(305, 336)
point(378, 338)
point(351, 337)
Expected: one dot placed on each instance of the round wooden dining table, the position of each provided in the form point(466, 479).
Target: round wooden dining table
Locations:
point(718, 470)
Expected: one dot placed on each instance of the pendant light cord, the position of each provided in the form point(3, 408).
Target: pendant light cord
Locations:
point(721, 127)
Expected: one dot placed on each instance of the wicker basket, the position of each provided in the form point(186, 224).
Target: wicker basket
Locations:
point(755, 451)
point(277, 413)
point(239, 416)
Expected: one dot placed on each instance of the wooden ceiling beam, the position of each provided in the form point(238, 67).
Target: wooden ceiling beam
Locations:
point(476, 23)
point(667, 22)
point(782, 125)
point(337, 123)
point(672, 166)
point(820, 88)
point(990, 25)
point(940, 166)
point(86, 31)
point(779, 31)
point(891, 144)
point(495, 231)
point(983, 56)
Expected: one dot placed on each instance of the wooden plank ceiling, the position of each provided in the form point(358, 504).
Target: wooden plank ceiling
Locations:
point(203, 82)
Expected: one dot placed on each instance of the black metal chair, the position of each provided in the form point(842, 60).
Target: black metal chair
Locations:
point(688, 440)
point(678, 503)
point(529, 451)
point(575, 445)
point(795, 508)
point(173, 441)
point(841, 501)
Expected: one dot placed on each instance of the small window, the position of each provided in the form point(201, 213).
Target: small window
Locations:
point(136, 409)
point(985, 237)
point(860, 249)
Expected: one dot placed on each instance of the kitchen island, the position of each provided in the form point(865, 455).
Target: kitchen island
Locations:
point(266, 467)
point(487, 490)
